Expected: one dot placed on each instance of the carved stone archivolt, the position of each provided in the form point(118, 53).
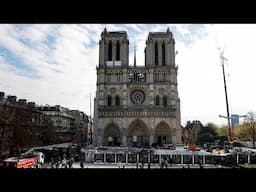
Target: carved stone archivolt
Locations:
point(113, 90)
point(161, 91)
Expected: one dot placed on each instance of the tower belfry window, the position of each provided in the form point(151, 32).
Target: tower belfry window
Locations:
point(157, 100)
point(118, 51)
point(163, 53)
point(117, 100)
point(109, 100)
point(165, 101)
point(110, 51)
point(156, 54)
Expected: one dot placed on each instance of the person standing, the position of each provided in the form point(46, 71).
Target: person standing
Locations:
point(82, 164)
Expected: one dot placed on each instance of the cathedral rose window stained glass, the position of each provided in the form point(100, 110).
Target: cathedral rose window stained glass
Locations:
point(138, 97)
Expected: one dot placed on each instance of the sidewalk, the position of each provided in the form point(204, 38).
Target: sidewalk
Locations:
point(152, 166)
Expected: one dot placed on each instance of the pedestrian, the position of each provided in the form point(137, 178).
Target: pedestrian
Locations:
point(64, 163)
point(170, 161)
point(82, 164)
point(165, 162)
point(119, 164)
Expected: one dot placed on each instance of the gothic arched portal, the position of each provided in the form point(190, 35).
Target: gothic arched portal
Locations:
point(162, 134)
point(112, 135)
point(138, 134)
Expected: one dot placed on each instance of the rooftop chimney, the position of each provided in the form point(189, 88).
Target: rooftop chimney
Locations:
point(31, 104)
point(11, 99)
point(22, 101)
point(1, 96)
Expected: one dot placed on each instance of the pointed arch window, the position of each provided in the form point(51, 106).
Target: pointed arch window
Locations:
point(145, 57)
point(117, 51)
point(163, 54)
point(157, 100)
point(109, 100)
point(117, 100)
point(165, 101)
point(110, 51)
point(156, 53)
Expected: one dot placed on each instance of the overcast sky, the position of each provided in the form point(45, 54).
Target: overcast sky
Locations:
point(56, 65)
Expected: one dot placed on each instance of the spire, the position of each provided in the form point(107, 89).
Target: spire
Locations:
point(134, 56)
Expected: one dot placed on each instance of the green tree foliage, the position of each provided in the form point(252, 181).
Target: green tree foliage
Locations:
point(206, 133)
point(222, 130)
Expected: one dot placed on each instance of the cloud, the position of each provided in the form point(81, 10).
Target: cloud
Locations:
point(66, 67)
point(56, 64)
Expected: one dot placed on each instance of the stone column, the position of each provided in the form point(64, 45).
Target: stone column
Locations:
point(114, 52)
point(99, 140)
point(151, 140)
point(174, 139)
point(124, 141)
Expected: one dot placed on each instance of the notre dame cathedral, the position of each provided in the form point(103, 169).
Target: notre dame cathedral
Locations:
point(136, 106)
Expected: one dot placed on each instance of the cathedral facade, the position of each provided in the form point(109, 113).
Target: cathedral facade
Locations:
point(136, 105)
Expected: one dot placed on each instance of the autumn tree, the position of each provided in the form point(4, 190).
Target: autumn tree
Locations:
point(222, 134)
point(250, 131)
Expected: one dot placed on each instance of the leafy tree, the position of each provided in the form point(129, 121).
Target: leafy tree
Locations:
point(206, 133)
point(222, 130)
point(250, 131)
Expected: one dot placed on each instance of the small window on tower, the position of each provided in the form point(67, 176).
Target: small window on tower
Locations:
point(156, 54)
point(165, 101)
point(163, 54)
point(117, 101)
point(118, 51)
point(157, 100)
point(110, 51)
point(109, 100)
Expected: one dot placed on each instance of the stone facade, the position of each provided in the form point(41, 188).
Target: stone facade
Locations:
point(136, 105)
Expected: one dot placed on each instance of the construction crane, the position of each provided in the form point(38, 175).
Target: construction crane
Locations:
point(223, 60)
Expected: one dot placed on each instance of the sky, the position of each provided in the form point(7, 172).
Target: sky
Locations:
point(55, 64)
